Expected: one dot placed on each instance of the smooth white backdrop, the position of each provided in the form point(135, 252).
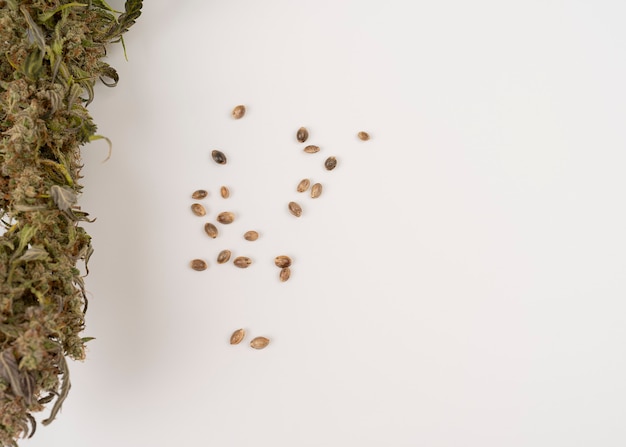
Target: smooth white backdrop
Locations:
point(460, 282)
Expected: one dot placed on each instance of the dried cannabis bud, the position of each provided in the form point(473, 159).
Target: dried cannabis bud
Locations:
point(51, 55)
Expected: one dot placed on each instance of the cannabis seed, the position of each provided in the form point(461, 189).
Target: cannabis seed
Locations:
point(242, 262)
point(239, 111)
point(259, 342)
point(251, 235)
point(198, 209)
point(211, 230)
point(225, 192)
point(237, 336)
point(302, 135)
point(282, 261)
point(199, 194)
point(226, 217)
point(218, 157)
point(316, 190)
point(330, 163)
point(303, 185)
point(311, 149)
point(285, 273)
point(198, 265)
point(295, 209)
point(223, 256)
point(363, 136)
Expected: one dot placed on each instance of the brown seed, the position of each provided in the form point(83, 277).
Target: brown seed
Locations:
point(316, 190)
point(198, 209)
point(239, 111)
point(363, 136)
point(285, 273)
point(282, 261)
point(223, 256)
point(302, 135)
point(295, 209)
point(311, 149)
point(226, 217)
point(199, 194)
point(218, 157)
point(211, 230)
point(225, 192)
point(242, 262)
point(251, 235)
point(303, 185)
point(237, 336)
point(198, 265)
point(259, 342)
point(330, 163)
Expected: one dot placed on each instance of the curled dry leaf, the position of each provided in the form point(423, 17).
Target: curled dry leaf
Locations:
point(242, 262)
point(282, 261)
point(198, 209)
point(316, 190)
point(198, 265)
point(295, 209)
point(226, 217)
point(303, 185)
point(237, 336)
point(302, 134)
point(218, 157)
point(199, 194)
point(211, 230)
point(223, 256)
point(251, 235)
point(259, 342)
point(239, 111)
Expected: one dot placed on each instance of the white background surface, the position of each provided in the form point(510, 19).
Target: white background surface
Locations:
point(459, 283)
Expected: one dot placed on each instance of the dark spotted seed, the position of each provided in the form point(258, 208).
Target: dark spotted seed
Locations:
point(330, 163)
point(211, 230)
point(226, 217)
point(251, 235)
point(302, 135)
point(198, 265)
point(239, 111)
point(316, 190)
point(242, 262)
point(363, 136)
point(218, 157)
point(303, 185)
point(282, 261)
point(199, 194)
point(311, 149)
point(225, 192)
point(295, 209)
point(285, 273)
point(198, 209)
point(223, 256)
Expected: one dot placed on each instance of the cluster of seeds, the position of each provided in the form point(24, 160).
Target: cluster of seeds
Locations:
point(283, 262)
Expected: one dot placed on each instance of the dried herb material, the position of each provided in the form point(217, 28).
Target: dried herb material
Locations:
point(199, 194)
point(303, 185)
point(239, 112)
point(237, 336)
point(295, 209)
point(223, 256)
point(198, 209)
point(316, 190)
point(311, 149)
point(363, 136)
point(211, 230)
point(251, 235)
point(198, 265)
point(218, 157)
point(259, 342)
point(285, 274)
point(282, 261)
point(302, 135)
point(242, 262)
point(226, 217)
point(330, 163)
point(225, 192)
point(51, 57)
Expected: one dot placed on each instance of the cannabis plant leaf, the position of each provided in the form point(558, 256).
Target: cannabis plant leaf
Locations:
point(63, 197)
point(35, 254)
